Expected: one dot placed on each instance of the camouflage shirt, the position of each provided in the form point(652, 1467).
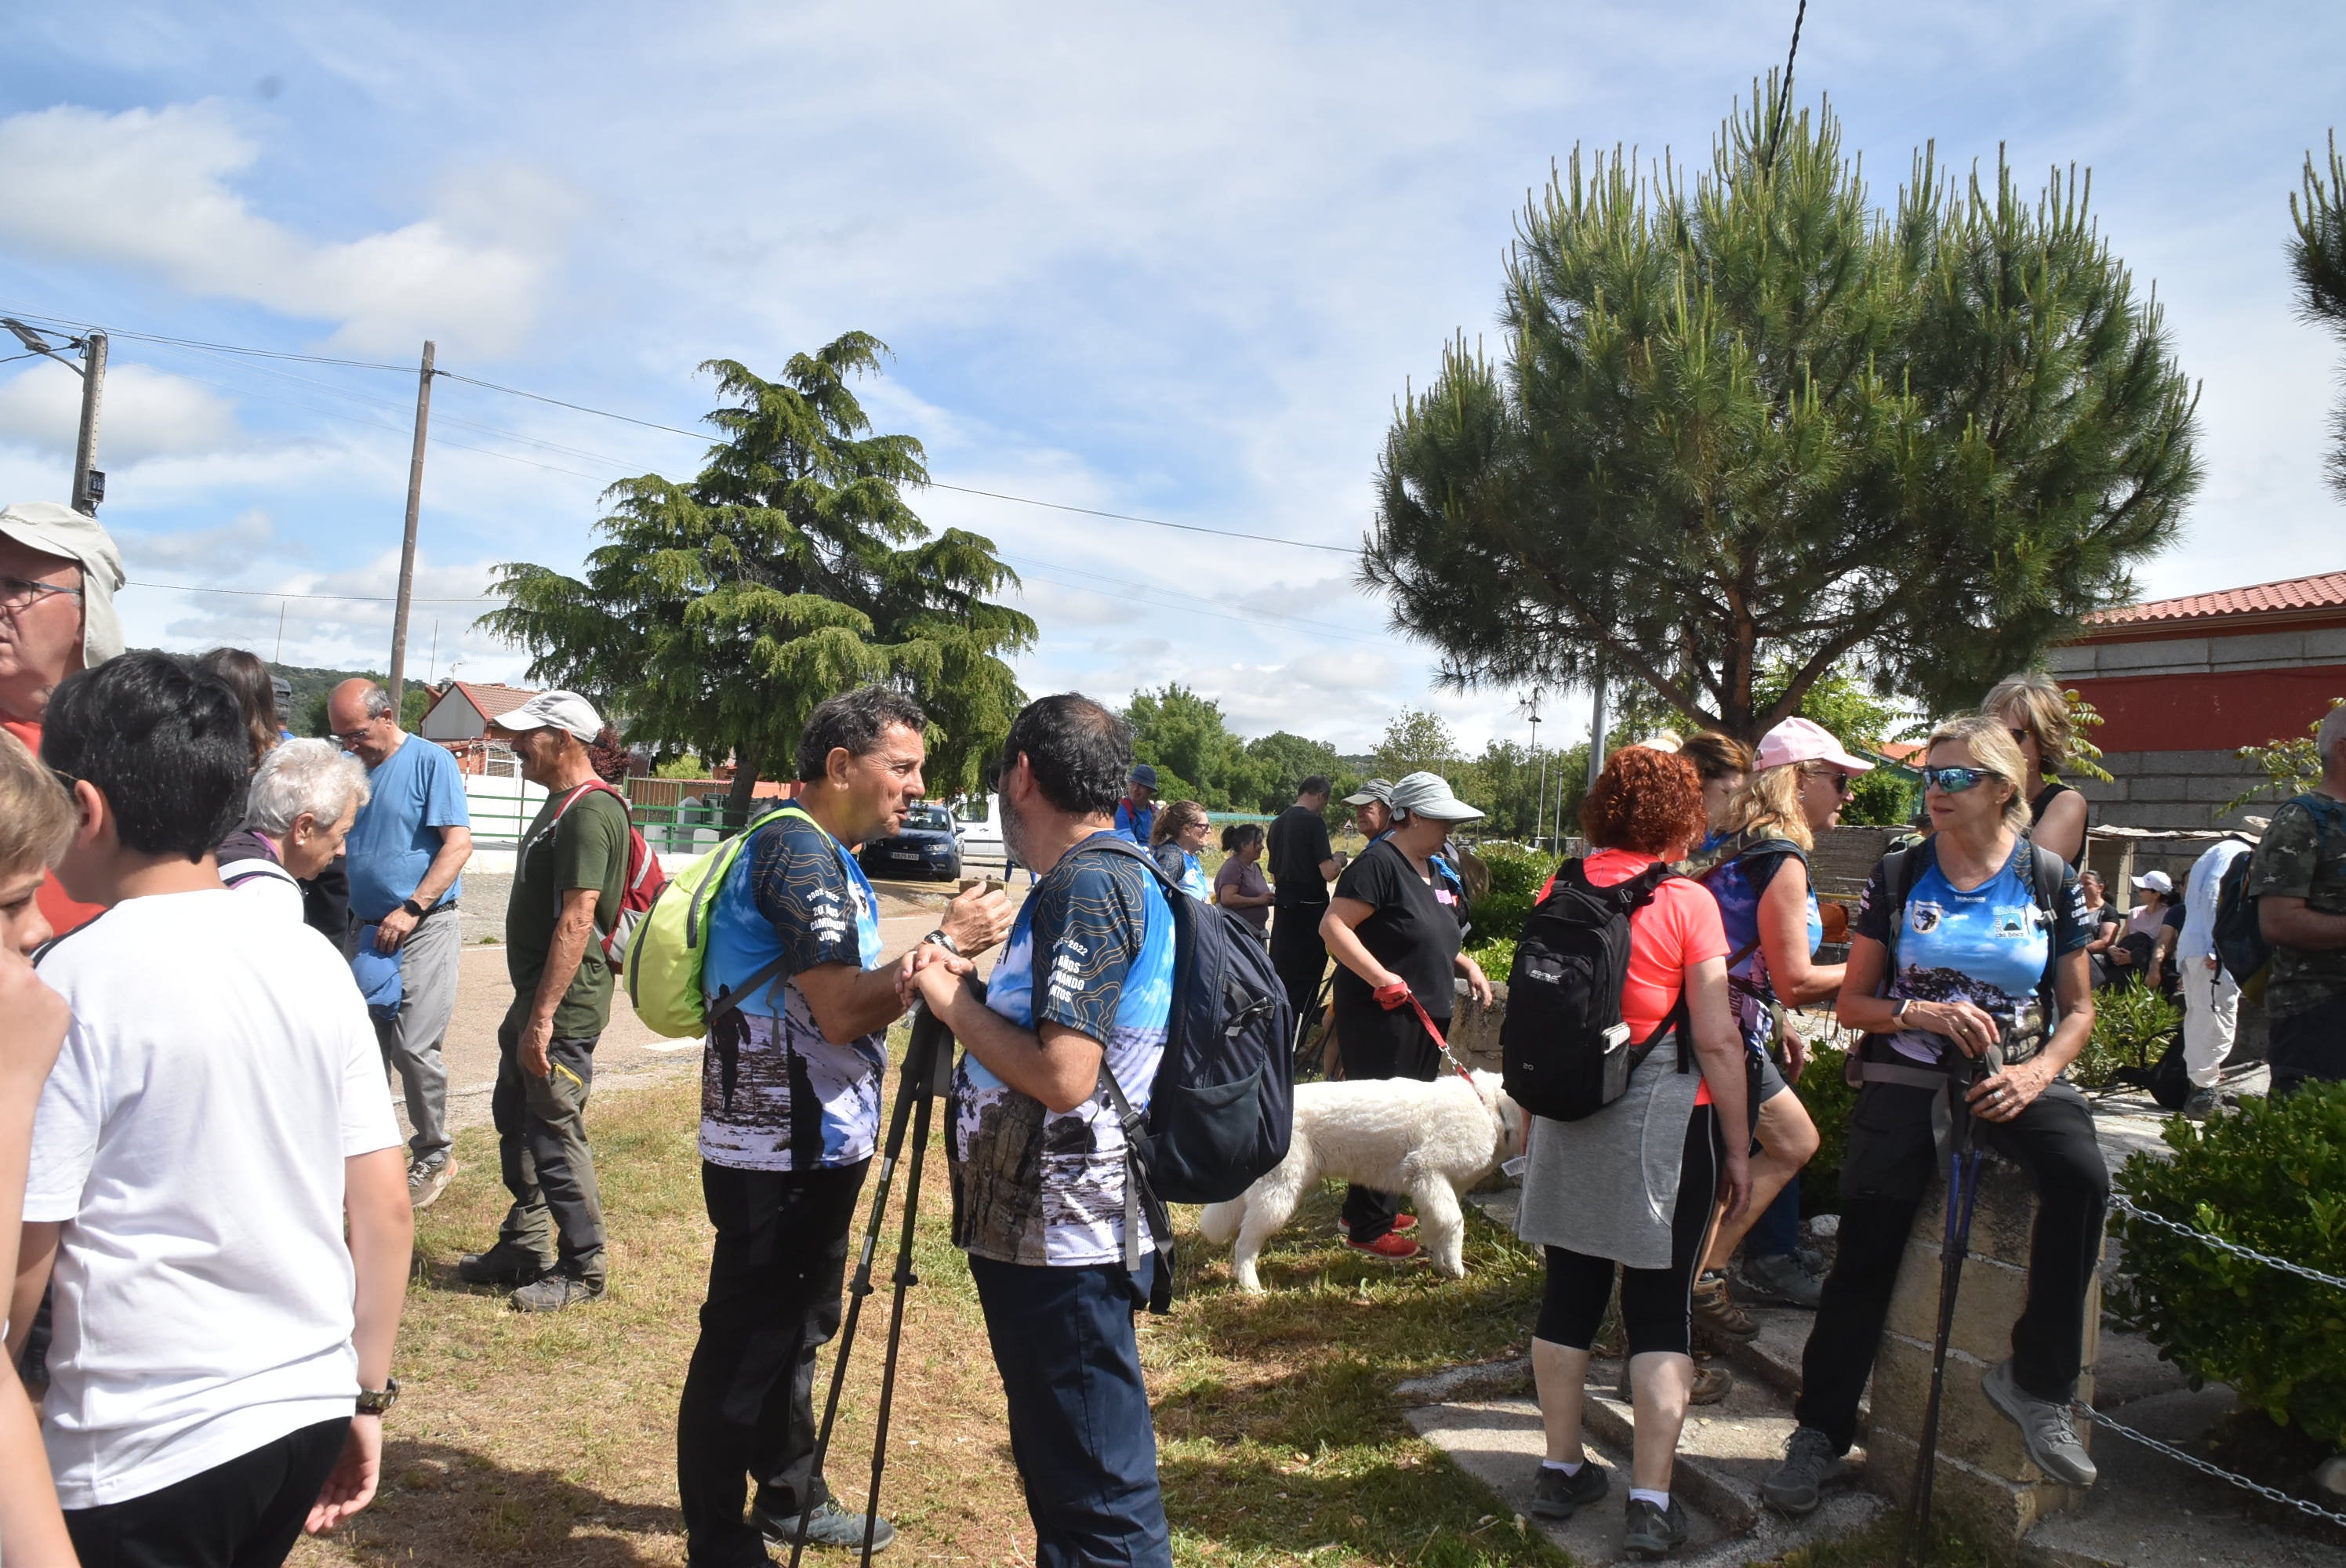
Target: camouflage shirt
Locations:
point(2304, 856)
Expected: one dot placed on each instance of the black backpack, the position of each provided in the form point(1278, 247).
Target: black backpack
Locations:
point(1565, 1052)
point(2240, 933)
point(1222, 1104)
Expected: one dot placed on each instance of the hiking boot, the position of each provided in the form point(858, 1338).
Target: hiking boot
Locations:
point(1401, 1222)
point(2045, 1428)
point(503, 1264)
point(830, 1526)
point(555, 1292)
point(1716, 1313)
point(1712, 1383)
point(2202, 1105)
point(1650, 1532)
point(1783, 1278)
point(1391, 1247)
point(1797, 1485)
point(1556, 1495)
point(427, 1179)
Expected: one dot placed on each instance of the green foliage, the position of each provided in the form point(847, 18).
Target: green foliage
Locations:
point(1826, 1092)
point(2271, 1176)
point(2316, 255)
point(2132, 1024)
point(687, 765)
point(2085, 756)
point(1195, 756)
point(1885, 798)
point(1517, 872)
point(719, 613)
point(1280, 762)
point(1417, 742)
point(2292, 766)
point(1749, 419)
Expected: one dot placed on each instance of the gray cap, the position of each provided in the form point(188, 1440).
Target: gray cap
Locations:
point(564, 710)
point(56, 530)
point(1377, 790)
point(1428, 795)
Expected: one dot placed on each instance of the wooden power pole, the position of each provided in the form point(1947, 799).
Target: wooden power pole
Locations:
point(89, 485)
point(407, 541)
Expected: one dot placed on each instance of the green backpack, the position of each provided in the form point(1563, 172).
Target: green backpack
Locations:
point(670, 951)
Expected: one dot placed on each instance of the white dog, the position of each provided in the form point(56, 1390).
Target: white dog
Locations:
point(1433, 1140)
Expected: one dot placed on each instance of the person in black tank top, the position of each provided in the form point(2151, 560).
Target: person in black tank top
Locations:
point(2034, 710)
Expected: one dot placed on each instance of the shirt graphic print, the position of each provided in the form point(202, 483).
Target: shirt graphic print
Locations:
point(1037, 1186)
point(775, 1095)
point(1988, 946)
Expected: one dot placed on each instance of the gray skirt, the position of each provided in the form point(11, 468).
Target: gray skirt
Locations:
point(1607, 1184)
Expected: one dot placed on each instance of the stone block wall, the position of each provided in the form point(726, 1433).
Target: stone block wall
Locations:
point(1984, 1475)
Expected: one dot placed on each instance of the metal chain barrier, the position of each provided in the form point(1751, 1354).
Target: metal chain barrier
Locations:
point(2120, 1202)
point(2205, 1468)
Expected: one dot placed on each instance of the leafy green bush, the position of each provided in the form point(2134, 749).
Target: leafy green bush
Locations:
point(1517, 875)
point(1827, 1096)
point(2132, 1023)
point(2271, 1176)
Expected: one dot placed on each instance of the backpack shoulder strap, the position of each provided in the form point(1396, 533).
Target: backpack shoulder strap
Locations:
point(1905, 868)
point(2049, 872)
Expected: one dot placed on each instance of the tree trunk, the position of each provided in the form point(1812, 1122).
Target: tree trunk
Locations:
point(745, 784)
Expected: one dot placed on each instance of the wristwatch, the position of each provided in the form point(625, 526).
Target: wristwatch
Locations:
point(415, 910)
point(942, 940)
point(378, 1401)
point(1899, 1011)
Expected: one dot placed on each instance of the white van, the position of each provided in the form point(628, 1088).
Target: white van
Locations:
point(977, 821)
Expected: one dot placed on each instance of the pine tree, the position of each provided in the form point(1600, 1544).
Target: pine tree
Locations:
point(1750, 420)
point(719, 613)
point(2317, 254)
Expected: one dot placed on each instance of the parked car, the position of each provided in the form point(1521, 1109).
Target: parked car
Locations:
point(926, 846)
point(979, 821)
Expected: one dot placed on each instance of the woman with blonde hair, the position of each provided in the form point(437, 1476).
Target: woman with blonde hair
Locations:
point(1767, 904)
point(1972, 939)
point(2036, 715)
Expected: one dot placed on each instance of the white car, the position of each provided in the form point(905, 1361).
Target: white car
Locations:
point(978, 821)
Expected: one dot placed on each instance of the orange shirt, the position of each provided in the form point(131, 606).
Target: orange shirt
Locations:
point(62, 913)
point(1677, 930)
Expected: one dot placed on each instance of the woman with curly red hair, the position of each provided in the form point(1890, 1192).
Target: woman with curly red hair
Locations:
point(1633, 1185)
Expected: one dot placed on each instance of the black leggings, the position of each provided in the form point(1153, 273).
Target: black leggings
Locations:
point(1656, 1304)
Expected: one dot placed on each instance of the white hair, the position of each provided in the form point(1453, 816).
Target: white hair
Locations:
point(312, 776)
point(2332, 734)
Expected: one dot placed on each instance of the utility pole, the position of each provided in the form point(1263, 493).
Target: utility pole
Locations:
point(1539, 801)
point(407, 542)
point(1596, 734)
point(89, 484)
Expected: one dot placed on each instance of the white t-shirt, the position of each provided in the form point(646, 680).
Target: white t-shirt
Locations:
point(219, 1069)
point(265, 880)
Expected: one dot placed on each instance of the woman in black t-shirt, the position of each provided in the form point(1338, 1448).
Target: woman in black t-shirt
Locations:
point(1394, 933)
point(2033, 708)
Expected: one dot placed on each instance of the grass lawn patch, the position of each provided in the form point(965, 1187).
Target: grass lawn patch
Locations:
point(524, 1440)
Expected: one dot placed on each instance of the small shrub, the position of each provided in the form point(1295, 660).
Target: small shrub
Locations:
point(1826, 1092)
point(2271, 1176)
point(2132, 1024)
point(1517, 875)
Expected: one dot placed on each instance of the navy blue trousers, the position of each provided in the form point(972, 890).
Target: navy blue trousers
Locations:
point(1080, 1428)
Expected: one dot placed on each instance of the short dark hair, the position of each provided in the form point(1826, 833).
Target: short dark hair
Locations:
point(1078, 751)
point(855, 719)
point(166, 746)
point(1314, 784)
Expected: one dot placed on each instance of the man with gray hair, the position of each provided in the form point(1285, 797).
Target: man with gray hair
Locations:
point(2299, 881)
point(298, 811)
point(407, 853)
point(58, 571)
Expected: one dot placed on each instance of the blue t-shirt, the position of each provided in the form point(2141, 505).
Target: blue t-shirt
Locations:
point(1135, 823)
point(1988, 946)
point(1181, 866)
point(1039, 1187)
point(775, 1094)
point(1738, 884)
point(417, 791)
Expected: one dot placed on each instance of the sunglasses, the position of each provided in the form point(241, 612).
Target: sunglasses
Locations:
point(1954, 781)
point(1844, 784)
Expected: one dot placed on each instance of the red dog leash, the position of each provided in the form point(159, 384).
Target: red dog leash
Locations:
point(1391, 997)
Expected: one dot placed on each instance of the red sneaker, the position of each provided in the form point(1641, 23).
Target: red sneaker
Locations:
point(1390, 1247)
point(1401, 1222)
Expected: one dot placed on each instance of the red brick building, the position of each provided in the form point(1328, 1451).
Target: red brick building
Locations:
point(2182, 684)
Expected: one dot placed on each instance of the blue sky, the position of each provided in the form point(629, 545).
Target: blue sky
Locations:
point(1172, 261)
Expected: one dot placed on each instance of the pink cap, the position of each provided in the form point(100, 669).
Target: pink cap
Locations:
point(1804, 740)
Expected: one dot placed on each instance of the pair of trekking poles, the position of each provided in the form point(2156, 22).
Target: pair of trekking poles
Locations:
point(926, 1057)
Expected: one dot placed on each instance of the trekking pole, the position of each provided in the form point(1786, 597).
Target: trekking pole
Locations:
point(1962, 1187)
point(1303, 1026)
point(929, 1045)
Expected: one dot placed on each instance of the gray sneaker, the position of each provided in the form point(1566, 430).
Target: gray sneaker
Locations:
point(2044, 1427)
point(1783, 1277)
point(1798, 1485)
point(427, 1179)
point(1556, 1495)
point(830, 1526)
point(556, 1292)
point(1648, 1533)
point(2202, 1105)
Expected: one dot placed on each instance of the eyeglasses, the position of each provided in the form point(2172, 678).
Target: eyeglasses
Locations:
point(353, 736)
point(17, 593)
point(1843, 783)
point(1954, 781)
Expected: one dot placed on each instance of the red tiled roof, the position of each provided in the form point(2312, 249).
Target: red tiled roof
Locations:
point(2323, 591)
point(492, 700)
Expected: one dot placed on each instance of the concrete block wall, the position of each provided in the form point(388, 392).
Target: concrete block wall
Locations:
point(2283, 649)
point(2174, 789)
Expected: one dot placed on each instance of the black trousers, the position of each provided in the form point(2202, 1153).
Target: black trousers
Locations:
point(1887, 1167)
point(774, 1283)
point(1375, 1044)
point(245, 1513)
point(1656, 1304)
point(2309, 1047)
point(1300, 957)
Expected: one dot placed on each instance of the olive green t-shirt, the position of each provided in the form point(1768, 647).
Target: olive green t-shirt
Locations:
point(2304, 856)
point(586, 849)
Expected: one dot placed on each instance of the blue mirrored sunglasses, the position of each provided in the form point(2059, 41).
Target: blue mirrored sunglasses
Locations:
point(1954, 781)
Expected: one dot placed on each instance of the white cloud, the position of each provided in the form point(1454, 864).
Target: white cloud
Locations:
point(152, 190)
point(144, 414)
point(225, 551)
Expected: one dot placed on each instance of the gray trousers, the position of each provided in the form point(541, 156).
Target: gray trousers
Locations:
point(556, 1213)
point(411, 1043)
